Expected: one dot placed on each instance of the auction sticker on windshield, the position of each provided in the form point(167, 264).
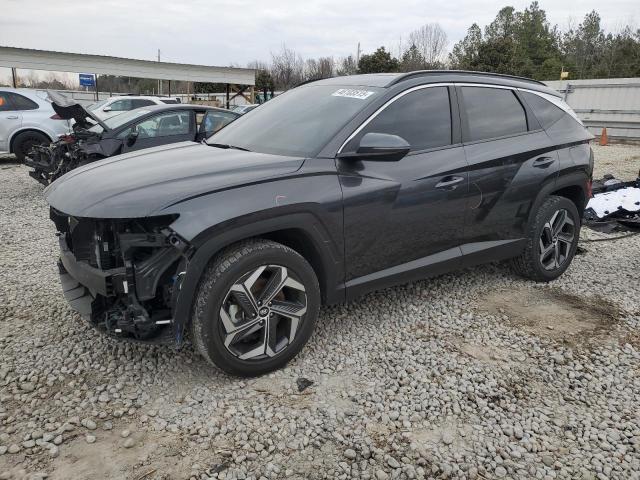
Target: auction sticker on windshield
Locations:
point(352, 93)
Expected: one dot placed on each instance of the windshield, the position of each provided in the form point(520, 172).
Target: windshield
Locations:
point(297, 123)
point(119, 120)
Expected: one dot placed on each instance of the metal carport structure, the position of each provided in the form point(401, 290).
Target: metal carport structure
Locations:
point(26, 58)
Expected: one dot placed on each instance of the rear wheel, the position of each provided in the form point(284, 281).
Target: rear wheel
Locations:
point(25, 141)
point(552, 241)
point(255, 308)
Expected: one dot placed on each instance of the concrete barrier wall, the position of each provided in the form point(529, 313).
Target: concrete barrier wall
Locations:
point(613, 103)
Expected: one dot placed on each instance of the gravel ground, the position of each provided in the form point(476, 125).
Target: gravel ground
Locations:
point(476, 374)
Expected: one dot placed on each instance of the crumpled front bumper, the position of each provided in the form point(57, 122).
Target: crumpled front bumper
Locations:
point(81, 282)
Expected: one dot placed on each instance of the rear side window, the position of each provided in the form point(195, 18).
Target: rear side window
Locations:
point(422, 118)
point(141, 102)
point(492, 112)
point(10, 101)
point(545, 111)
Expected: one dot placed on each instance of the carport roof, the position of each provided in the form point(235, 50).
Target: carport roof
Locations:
point(105, 65)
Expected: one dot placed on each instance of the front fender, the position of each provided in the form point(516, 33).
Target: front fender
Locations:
point(309, 203)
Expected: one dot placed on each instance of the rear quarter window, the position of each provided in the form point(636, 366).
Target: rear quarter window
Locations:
point(492, 113)
point(21, 103)
point(545, 111)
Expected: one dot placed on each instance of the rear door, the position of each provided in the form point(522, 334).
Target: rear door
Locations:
point(160, 129)
point(10, 119)
point(510, 158)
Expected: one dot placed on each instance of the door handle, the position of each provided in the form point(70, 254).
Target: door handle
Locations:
point(12, 117)
point(543, 162)
point(449, 182)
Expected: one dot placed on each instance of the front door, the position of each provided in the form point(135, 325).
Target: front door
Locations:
point(405, 218)
point(161, 129)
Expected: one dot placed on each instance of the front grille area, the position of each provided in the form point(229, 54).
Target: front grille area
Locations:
point(91, 241)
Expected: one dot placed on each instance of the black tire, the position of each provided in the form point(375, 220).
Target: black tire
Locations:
point(529, 264)
point(24, 141)
point(228, 268)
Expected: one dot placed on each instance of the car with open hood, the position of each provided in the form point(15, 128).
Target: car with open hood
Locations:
point(328, 191)
point(94, 138)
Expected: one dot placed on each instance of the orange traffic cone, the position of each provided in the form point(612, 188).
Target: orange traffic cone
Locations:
point(604, 139)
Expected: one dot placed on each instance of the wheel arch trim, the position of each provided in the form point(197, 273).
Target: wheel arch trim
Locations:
point(330, 276)
point(26, 129)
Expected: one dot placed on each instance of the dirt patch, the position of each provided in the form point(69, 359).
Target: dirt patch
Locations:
point(554, 314)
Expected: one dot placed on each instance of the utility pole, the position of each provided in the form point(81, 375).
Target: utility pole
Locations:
point(358, 56)
point(159, 81)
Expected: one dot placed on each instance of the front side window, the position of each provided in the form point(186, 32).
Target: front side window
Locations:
point(421, 117)
point(120, 106)
point(299, 122)
point(492, 113)
point(5, 105)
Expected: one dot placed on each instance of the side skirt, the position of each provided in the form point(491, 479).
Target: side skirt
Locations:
point(466, 255)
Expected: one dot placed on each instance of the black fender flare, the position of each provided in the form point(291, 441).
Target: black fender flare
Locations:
point(330, 261)
point(571, 179)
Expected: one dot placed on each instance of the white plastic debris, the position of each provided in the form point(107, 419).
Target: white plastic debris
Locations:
point(606, 203)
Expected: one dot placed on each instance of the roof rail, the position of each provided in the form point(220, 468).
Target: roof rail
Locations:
point(420, 73)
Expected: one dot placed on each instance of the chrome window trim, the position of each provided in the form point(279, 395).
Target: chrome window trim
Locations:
point(413, 89)
point(385, 105)
point(558, 102)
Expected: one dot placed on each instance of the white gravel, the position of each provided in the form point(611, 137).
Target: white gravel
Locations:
point(476, 374)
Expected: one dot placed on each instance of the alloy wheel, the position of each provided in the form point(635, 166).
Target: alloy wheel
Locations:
point(556, 240)
point(262, 312)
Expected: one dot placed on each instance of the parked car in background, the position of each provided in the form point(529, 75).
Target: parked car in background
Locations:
point(27, 119)
point(328, 191)
point(123, 103)
point(242, 109)
point(93, 139)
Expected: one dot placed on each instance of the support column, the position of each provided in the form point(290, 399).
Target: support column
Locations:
point(227, 94)
point(96, 87)
point(14, 77)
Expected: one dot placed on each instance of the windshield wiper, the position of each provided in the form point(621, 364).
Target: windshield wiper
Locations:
point(224, 145)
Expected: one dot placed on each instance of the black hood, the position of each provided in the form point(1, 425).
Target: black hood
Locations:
point(146, 182)
point(68, 109)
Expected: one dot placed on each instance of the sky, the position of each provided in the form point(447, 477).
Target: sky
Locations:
point(234, 32)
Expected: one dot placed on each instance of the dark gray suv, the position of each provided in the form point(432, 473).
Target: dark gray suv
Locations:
point(330, 190)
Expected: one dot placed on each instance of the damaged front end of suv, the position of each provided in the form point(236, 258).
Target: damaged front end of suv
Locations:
point(123, 275)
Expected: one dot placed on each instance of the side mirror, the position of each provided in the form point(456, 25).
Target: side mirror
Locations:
point(381, 147)
point(106, 109)
point(132, 137)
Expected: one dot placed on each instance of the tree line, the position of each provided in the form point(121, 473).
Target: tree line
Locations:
point(516, 42)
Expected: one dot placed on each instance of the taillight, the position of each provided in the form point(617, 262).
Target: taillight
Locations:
point(55, 116)
point(589, 188)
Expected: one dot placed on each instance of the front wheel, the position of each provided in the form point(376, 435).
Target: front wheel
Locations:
point(255, 308)
point(552, 240)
